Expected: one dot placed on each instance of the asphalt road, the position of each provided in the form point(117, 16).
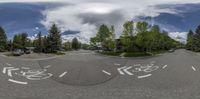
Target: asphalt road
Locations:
point(86, 75)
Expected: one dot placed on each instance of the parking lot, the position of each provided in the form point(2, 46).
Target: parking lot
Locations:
point(87, 75)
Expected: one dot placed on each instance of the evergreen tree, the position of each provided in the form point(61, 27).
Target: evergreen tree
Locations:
point(39, 42)
point(190, 40)
point(17, 44)
point(196, 40)
point(24, 40)
point(54, 38)
point(75, 44)
point(3, 39)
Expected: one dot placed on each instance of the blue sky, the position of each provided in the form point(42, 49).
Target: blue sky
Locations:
point(82, 18)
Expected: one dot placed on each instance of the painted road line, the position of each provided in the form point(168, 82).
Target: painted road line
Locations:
point(164, 66)
point(120, 70)
point(106, 72)
point(18, 82)
point(63, 74)
point(126, 70)
point(10, 71)
point(194, 68)
point(117, 64)
point(25, 68)
point(8, 64)
point(144, 76)
point(5, 68)
point(48, 66)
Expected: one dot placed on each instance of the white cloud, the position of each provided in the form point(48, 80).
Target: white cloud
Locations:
point(179, 36)
point(68, 17)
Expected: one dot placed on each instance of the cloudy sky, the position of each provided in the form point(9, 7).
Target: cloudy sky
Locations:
point(81, 18)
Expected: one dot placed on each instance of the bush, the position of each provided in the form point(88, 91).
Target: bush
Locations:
point(136, 54)
point(59, 53)
point(111, 53)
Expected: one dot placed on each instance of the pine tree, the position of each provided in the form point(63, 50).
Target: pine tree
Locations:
point(39, 43)
point(197, 39)
point(24, 40)
point(75, 44)
point(3, 39)
point(54, 38)
point(190, 40)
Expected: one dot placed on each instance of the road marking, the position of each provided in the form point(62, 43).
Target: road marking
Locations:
point(144, 76)
point(25, 68)
point(106, 72)
point(48, 66)
point(164, 66)
point(194, 68)
point(5, 68)
point(8, 64)
point(126, 70)
point(117, 64)
point(63, 74)
point(120, 70)
point(18, 82)
point(10, 71)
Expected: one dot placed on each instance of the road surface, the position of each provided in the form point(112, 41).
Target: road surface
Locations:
point(86, 75)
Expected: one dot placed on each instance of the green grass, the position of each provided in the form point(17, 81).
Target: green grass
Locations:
point(110, 53)
point(158, 52)
point(136, 54)
point(132, 54)
point(59, 53)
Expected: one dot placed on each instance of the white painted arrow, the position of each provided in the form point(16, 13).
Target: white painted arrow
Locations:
point(120, 70)
point(9, 70)
point(124, 70)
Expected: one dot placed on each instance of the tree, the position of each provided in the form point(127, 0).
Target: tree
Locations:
point(54, 38)
point(128, 28)
point(190, 40)
point(3, 39)
point(75, 44)
point(10, 46)
point(196, 40)
point(24, 40)
point(127, 38)
point(67, 46)
point(142, 26)
point(103, 35)
point(112, 30)
point(39, 43)
point(94, 40)
point(85, 46)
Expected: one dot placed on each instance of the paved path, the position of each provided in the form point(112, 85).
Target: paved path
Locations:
point(86, 75)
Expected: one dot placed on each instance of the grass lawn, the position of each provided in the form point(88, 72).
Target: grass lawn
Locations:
point(136, 54)
point(132, 54)
point(110, 53)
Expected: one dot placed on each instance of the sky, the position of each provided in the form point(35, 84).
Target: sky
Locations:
point(81, 18)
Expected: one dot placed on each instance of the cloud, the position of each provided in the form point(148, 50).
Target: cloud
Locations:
point(87, 15)
point(179, 36)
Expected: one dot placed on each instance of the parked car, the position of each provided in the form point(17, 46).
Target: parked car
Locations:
point(28, 51)
point(172, 50)
point(18, 52)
